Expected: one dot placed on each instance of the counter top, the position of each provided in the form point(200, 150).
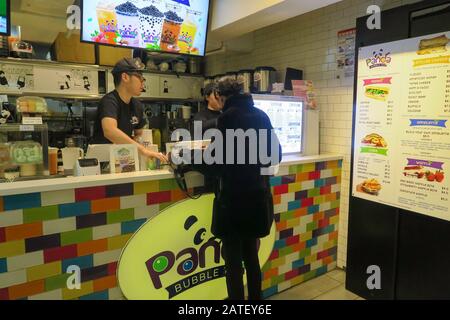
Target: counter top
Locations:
point(289, 160)
point(32, 186)
point(22, 187)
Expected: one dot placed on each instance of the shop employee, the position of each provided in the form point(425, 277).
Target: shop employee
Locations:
point(120, 118)
point(209, 116)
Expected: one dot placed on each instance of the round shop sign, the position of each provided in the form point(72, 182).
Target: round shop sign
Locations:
point(175, 256)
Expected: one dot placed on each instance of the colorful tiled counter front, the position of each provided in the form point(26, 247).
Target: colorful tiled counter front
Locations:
point(45, 227)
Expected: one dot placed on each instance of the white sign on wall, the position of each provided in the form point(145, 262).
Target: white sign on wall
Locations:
point(402, 129)
point(15, 78)
point(66, 80)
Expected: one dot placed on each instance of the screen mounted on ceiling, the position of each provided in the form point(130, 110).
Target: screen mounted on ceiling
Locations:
point(174, 26)
point(5, 20)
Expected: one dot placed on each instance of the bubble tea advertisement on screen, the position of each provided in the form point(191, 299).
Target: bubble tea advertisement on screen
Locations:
point(4, 17)
point(177, 26)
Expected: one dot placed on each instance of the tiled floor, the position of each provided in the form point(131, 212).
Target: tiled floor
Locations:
point(330, 286)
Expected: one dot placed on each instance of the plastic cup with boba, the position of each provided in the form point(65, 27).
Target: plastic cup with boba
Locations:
point(151, 23)
point(107, 20)
point(128, 24)
point(188, 32)
point(171, 31)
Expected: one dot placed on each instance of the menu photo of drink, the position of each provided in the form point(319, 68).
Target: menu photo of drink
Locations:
point(175, 26)
point(402, 134)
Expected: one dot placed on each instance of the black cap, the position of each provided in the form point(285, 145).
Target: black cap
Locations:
point(127, 65)
point(209, 88)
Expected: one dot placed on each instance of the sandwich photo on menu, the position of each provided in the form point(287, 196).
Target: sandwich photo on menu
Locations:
point(377, 93)
point(374, 140)
point(433, 45)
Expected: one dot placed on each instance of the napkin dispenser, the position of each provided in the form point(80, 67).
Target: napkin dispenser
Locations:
point(87, 167)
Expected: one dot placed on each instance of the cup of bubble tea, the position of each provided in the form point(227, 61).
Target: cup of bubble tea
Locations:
point(53, 161)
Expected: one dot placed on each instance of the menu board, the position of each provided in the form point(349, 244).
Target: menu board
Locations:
point(402, 134)
point(286, 116)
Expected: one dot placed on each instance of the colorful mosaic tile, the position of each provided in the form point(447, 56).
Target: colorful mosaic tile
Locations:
point(41, 235)
point(74, 209)
point(93, 273)
point(22, 201)
point(120, 190)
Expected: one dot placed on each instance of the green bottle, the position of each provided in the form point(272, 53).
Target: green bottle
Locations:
point(156, 133)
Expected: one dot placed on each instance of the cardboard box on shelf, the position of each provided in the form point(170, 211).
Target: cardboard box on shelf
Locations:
point(71, 49)
point(109, 55)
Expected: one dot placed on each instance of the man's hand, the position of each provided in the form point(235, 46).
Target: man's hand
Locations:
point(155, 155)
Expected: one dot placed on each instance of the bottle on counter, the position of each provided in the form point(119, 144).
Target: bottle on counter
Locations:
point(146, 140)
point(60, 163)
point(156, 133)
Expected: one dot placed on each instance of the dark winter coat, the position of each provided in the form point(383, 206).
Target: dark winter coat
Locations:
point(243, 206)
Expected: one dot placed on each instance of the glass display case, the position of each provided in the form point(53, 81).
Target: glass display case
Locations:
point(23, 152)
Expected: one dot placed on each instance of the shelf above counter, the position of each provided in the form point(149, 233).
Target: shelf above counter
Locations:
point(70, 81)
point(51, 63)
point(99, 97)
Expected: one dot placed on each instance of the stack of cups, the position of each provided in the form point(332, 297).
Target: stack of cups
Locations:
point(147, 141)
point(147, 136)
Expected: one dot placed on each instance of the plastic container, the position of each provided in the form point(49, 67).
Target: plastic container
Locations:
point(5, 158)
point(179, 66)
point(28, 170)
point(26, 152)
point(12, 173)
point(32, 105)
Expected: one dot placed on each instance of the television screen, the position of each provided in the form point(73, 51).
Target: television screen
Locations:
point(286, 115)
point(4, 18)
point(174, 26)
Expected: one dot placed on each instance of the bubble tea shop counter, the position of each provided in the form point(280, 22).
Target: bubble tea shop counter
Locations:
point(49, 225)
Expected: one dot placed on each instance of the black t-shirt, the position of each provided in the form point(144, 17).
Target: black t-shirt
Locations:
point(129, 116)
point(208, 118)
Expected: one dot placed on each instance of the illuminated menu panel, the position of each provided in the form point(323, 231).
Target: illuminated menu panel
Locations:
point(402, 135)
point(286, 115)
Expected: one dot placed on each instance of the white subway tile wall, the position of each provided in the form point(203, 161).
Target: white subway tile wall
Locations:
point(309, 42)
